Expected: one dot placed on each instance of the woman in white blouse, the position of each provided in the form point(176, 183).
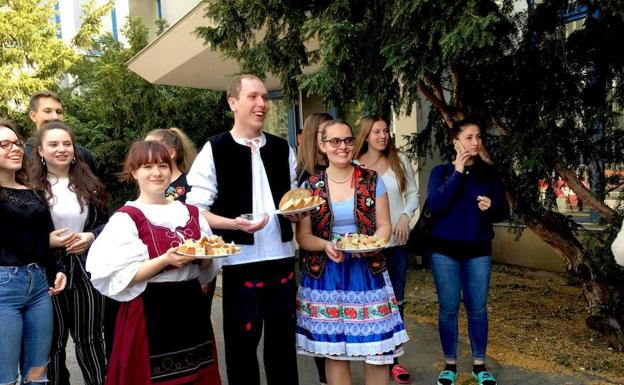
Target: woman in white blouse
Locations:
point(77, 201)
point(163, 333)
point(375, 150)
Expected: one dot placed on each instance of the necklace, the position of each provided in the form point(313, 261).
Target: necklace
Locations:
point(372, 165)
point(340, 181)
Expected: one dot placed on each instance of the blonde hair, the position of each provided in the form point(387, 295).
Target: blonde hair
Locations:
point(236, 84)
point(390, 152)
point(174, 138)
point(308, 156)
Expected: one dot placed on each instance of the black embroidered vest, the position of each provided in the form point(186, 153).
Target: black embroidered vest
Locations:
point(322, 219)
point(234, 181)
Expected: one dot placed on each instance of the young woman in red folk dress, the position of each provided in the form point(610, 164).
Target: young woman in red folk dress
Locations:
point(163, 333)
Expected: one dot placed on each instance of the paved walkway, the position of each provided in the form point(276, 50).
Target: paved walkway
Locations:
point(422, 359)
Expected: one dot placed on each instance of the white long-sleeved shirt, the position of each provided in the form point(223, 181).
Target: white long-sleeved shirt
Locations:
point(115, 256)
point(405, 202)
point(204, 190)
point(617, 247)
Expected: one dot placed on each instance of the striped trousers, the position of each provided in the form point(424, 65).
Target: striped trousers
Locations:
point(78, 310)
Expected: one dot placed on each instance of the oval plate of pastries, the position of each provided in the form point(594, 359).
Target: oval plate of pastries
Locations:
point(208, 247)
point(360, 243)
point(299, 200)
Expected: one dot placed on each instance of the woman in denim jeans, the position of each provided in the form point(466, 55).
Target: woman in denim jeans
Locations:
point(25, 240)
point(375, 149)
point(465, 197)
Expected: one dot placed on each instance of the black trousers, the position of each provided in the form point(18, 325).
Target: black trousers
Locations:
point(78, 310)
point(260, 296)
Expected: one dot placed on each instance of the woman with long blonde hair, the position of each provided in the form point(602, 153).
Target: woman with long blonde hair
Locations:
point(310, 159)
point(183, 153)
point(375, 150)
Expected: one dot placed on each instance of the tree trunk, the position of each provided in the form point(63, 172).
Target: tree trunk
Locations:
point(552, 228)
point(583, 192)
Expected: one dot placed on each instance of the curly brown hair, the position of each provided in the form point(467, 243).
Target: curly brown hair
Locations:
point(88, 187)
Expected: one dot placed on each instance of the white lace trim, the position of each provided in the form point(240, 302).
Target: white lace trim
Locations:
point(360, 349)
point(377, 359)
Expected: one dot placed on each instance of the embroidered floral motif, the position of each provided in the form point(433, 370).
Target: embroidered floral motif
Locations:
point(359, 313)
point(362, 306)
point(365, 188)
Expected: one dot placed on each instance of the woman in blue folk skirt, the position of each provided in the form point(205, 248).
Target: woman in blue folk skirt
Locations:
point(346, 309)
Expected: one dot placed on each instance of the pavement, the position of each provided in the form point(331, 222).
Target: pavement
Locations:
point(422, 358)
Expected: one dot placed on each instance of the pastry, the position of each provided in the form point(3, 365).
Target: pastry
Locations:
point(360, 242)
point(299, 198)
point(208, 245)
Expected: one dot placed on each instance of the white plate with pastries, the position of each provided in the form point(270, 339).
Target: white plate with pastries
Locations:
point(298, 200)
point(359, 243)
point(208, 248)
point(211, 256)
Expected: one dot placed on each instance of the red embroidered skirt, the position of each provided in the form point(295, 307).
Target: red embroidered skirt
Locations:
point(164, 337)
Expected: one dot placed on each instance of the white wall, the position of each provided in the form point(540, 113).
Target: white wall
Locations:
point(147, 11)
point(70, 15)
point(173, 10)
point(407, 125)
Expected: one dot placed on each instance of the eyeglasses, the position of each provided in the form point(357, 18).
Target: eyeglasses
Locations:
point(335, 142)
point(7, 144)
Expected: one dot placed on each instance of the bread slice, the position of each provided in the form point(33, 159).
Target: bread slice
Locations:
point(288, 205)
point(293, 195)
point(299, 203)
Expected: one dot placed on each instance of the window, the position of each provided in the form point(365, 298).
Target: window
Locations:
point(276, 121)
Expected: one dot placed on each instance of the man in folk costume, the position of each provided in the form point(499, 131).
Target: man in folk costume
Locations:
point(247, 171)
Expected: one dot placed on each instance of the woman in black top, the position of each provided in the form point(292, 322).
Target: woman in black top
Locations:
point(25, 239)
point(183, 153)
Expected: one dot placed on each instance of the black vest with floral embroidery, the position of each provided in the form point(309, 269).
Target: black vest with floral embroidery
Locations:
point(322, 219)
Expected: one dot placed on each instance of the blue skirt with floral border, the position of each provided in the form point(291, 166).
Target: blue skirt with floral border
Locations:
point(348, 313)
